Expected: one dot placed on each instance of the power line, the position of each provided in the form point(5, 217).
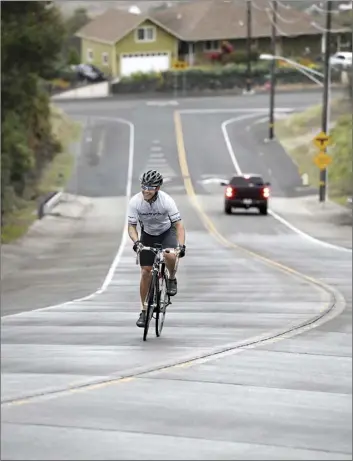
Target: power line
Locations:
point(273, 21)
point(323, 29)
point(254, 5)
point(324, 11)
point(286, 21)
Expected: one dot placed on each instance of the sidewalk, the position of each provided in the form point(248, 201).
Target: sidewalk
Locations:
point(44, 234)
point(64, 256)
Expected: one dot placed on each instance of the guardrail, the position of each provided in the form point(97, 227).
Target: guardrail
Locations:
point(48, 203)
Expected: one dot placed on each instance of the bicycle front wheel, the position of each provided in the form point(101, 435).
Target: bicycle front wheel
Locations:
point(163, 301)
point(151, 303)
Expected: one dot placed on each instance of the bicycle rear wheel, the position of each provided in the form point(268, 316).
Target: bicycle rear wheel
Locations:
point(163, 301)
point(152, 302)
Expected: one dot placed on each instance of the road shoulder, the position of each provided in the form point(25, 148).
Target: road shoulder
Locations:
point(326, 221)
point(62, 257)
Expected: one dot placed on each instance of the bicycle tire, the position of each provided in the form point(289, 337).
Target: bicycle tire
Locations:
point(163, 301)
point(151, 297)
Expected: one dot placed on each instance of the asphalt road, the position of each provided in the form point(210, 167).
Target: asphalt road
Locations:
point(222, 382)
point(102, 160)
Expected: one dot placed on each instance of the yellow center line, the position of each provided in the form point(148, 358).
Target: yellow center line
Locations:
point(210, 226)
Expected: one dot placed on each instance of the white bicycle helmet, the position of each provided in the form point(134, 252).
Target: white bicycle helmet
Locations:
point(152, 178)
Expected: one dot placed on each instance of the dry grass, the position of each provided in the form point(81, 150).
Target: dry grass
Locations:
point(296, 134)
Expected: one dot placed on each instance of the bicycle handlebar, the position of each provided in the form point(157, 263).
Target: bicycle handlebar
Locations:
point(155, 251)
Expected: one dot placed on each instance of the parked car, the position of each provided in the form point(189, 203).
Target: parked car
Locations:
point(341, 59)
point(89, 72)
point(246, 191)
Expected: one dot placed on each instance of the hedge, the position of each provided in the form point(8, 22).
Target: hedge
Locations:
point(340, 172)
point(230, 77)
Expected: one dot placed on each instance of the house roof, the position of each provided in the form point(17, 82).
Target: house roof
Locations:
point(222, 19)
point(114, 24)
point(203, 20)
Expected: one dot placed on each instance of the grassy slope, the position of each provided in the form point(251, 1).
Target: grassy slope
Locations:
point(296, 134)
point(55, 177)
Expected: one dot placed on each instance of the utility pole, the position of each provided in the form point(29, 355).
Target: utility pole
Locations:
point(248, 46)
point(273, 70)
point(325, 103)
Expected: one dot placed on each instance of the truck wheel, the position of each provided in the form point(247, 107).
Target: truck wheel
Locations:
point(227, 209)
point(263, 209)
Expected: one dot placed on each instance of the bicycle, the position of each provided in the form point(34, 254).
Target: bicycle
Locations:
point(157, 297)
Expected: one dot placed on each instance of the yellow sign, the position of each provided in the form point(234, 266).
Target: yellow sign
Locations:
point(322, 140)
point(322, 160)
point(180, 65)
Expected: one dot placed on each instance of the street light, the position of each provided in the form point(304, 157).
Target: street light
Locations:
point(303, 69)
point(312, 74)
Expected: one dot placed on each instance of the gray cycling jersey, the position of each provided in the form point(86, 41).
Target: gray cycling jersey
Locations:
point(156, 217)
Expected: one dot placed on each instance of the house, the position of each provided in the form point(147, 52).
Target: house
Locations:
point(121, 43)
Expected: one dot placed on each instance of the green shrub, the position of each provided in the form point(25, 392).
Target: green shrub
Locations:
point(340, 171)
point(240, 57)
point(230, 76)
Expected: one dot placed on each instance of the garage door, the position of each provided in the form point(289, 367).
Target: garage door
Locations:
point(143, 62)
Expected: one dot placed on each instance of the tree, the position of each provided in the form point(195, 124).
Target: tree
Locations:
point(32, 38)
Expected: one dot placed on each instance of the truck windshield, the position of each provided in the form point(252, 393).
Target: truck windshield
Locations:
point(241, 181)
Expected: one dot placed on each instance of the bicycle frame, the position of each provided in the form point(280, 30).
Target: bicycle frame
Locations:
point(158, 277)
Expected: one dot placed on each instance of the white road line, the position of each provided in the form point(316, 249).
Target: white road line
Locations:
point(162, 103)
point(157, 161)
point(259, 110)
point(261, 120)
point(274, 215)
point(101, 143)
point(123, 241)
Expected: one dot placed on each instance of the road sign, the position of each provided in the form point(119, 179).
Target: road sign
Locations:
point(322, 140)
point(322, 160)
point(180, 65)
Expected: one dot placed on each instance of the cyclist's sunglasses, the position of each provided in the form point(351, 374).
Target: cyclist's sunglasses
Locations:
point(143, 187)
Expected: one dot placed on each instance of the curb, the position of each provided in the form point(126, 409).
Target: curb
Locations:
point(145, 96)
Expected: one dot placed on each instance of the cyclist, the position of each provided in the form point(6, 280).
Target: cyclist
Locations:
point(160, 222)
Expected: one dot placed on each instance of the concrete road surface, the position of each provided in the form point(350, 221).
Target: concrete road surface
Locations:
point(254, 361)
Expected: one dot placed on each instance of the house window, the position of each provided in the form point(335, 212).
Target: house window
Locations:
point(146, 34)
point(211, 45)
point(105, 60)
point(89, 55)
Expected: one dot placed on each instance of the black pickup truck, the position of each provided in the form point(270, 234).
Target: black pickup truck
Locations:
point(246, 191)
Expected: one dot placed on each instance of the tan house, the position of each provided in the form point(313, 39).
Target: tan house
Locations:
point(122, 43)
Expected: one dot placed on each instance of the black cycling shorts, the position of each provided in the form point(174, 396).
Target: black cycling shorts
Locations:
point(168, 240)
